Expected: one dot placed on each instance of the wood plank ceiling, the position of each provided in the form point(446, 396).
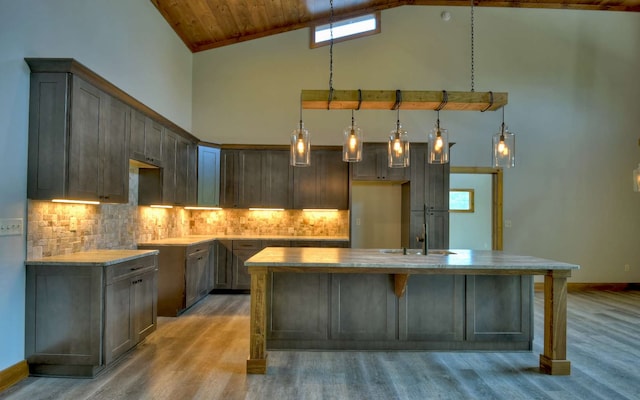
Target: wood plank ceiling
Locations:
point(206, 24)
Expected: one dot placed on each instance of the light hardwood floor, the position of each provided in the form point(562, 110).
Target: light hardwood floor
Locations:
point(201, 355)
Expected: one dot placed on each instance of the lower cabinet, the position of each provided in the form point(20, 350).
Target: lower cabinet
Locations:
point(436, 312)
point(229, 256)
point(183, 276)
point(80, 319)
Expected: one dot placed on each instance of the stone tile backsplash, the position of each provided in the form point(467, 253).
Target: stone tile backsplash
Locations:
point(122, 226)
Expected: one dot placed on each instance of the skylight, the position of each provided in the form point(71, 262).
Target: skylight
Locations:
point(346, 29)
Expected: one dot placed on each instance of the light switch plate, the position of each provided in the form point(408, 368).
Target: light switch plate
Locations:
point(10, 226)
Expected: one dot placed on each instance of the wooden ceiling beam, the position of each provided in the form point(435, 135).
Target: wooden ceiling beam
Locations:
point(411, 100)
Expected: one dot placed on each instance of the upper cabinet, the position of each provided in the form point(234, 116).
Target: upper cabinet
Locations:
point(78, 141)
point(82, 132)
point(208, 176)
point(147, 138)
point(255, 178)
point(176, 182)
point(375, 165)
point(324, 184)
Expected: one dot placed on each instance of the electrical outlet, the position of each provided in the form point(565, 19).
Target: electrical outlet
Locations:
point(73, 224)
point(507, 223)
point(626, 268)
point(10, 226)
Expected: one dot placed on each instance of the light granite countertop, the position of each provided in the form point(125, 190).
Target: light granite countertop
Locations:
point(197, 239)
point(373, 259)
point(92, 258)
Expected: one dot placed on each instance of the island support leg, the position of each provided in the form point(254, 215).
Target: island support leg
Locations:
point(553, 361)
point(257, 362)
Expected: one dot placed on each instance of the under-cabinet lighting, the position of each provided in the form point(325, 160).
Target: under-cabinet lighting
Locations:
point(265, 209)
point(75, 201)
point(319, 209)
point(203, 208)
point(159, 206)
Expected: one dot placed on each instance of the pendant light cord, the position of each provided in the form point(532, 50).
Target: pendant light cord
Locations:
point(330, 55)
point(472, 49)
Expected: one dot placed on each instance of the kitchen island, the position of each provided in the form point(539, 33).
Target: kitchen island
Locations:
point(389, 275)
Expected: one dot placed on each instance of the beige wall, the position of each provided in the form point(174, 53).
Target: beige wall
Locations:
point(573, 89)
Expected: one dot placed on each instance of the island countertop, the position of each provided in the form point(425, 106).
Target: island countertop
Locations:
point(381, 260)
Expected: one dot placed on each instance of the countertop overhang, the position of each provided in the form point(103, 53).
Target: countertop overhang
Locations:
point(93, 258)
point(462, 261)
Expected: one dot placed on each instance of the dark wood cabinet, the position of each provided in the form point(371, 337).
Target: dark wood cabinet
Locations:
point(375, 165)
point(242, 251)
point(255, 178)
point(183, 276)
point(324, 184)
point(208, 176)
point(130, 305)
point(78, 141)
point(175, 183)
point(80, 318)
point(223, 264)
point(147, 138)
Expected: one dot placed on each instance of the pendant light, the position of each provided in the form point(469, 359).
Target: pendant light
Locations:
point(300, 145)
point(398, 146)
point(504, 147)
point(438, 138)
point(352, 143)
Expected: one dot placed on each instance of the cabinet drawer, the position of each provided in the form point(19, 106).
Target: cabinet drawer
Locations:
point(125, 269)
point(198, 249)
point(276, 243)
point(247, 244)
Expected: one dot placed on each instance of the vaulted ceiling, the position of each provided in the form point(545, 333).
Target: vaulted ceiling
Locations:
point(206, 24)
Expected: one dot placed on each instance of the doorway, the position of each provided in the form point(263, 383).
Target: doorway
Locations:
point(376, 215)
point(482, 228)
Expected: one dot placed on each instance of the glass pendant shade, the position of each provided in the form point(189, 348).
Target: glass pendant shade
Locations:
point(438, 145)
point(352, 143)
point(398, 148)
point(636, 179)
point(504, 148)
point(300, 147)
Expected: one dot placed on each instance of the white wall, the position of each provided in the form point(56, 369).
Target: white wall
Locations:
point(129, 44)
point(573, 103)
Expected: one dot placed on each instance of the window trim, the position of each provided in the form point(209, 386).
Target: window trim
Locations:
point(314, 27)
point(471, 208)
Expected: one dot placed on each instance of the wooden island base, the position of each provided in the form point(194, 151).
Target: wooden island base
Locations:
point(340, 261)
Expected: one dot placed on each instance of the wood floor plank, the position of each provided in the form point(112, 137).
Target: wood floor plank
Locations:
point(202, 355)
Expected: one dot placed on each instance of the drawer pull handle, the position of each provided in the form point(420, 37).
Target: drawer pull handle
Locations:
point(136, 268)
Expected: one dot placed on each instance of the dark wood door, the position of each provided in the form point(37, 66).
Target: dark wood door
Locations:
point(248, 179)
point(88, 123)
point(276, 179)
point(115, 150)
point(119, 330)
point(169, 171)
point(145, 299)
point(208, 176)
point(324, 184)
point(228, 182)
point(181, 189)
point(223, 264)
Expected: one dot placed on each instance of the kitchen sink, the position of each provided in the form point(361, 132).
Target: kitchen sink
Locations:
point(416, 252)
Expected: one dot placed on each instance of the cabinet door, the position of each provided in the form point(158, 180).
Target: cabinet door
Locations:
point(181, 190)
point(248, 179)
point(276, 179)
point(437, 229)
point(208, 176)
point(146, 139)
point(367, 169)
point(196, 275)
point(223, 264)
point(88, 122)
point(242, 251)
point(418, 171)
point(227, 178)
point(145, 298)
point(119, 330)
point(170, 154)
point(324, 184)
point(115, 150)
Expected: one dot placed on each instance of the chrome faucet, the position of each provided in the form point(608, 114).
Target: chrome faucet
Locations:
point(424, 238)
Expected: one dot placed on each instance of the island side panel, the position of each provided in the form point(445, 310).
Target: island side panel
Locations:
point(257, 362)
point(553, 361)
